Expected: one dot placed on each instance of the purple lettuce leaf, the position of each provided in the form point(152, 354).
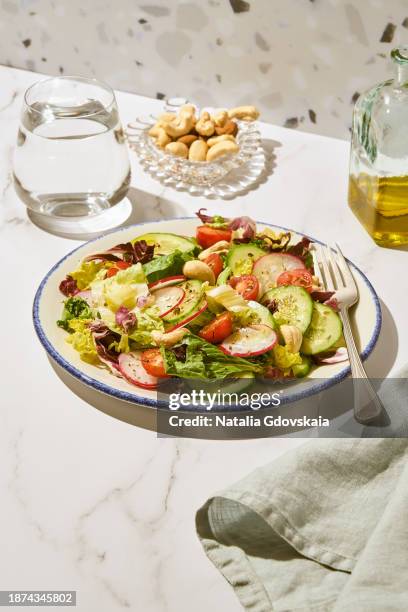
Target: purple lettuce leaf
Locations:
point(104, 338)
point(68, 286)
point(125, 319)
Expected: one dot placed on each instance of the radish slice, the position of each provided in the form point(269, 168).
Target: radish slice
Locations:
point(340, 355)
point(130, 366)
point(269, 267)
point(114, 368)
point(190, 318)
point(167, 298)
point(166, 282)
point(249, 341)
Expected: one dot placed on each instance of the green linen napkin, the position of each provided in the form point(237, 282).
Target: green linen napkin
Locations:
point(324, 528)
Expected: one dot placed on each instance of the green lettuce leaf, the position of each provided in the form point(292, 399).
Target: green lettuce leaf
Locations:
point(82, 341)
point(147, 321)
point(140, 337)
point(123, 289)
point(86, 273)
point(166, 265)
point(74, 308)
point(247, 316)
point(284, 359)
point(205, 361)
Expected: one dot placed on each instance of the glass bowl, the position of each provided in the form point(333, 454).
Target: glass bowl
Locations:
point(197, 177)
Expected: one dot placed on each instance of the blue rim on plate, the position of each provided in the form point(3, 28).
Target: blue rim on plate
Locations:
point(156, 403)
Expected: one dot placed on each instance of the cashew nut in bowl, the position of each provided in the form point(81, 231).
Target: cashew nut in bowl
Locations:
point(189, 136)
point(164, 118)
point(222, 148)
point(187, 110)
point(188, 139)
point(247, 113)
point(162, 139)
point(177, 148)
point(221, 118)
point(179, 126)
point(205, 126)
point(199, 270)
point(216, 139)
point(170, 338)
point(198, 151)
point(230, 127)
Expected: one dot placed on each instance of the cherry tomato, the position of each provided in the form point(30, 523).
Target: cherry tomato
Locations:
point(119, 265)
point(246, 285)
point(111, 272)
point(215, 262)
point(153, 363)
point(298, 277)
point(207, 236)
point(219, 329)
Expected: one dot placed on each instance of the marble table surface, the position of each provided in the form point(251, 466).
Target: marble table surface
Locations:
point(91, 503)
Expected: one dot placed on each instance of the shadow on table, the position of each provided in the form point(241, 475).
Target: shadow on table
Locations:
point(140, 206)
point(140, 416)
point(382, 359)
point(148, 207)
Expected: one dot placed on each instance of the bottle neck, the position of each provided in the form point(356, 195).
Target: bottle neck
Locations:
point(402, 74)
point(400, 59)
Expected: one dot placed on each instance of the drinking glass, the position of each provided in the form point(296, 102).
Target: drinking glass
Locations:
point(71, 161)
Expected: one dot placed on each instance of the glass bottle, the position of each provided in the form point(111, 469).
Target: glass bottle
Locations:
point(378, 184)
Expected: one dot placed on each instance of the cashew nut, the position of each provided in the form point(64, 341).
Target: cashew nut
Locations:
point(177, 148)
point(221, 118)
point(199, 270)
point(179, 126)
point(170, 338)
point(216, 139)
point(188, 139)
point(218, 247)
point(222, 148)
point(230, 127)
point(165, 118)
point(292, 336)
point(205, 126)
point(157, 132)
point(247, 113)
point(198, 151)
point(187, 110)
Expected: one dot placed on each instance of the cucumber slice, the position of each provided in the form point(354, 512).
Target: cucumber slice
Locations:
point(241, 258)
point(193, 296)
point(265, 315)
point(224, 276)
point(325, 330)
point(301, 370)
point(294, 306)
point(164, 244)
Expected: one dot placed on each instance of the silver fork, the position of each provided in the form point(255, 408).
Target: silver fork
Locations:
point(335, 275)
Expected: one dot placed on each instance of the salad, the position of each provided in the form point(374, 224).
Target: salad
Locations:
point(231, 302)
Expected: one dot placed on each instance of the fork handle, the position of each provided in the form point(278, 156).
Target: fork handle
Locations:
point(367, 404)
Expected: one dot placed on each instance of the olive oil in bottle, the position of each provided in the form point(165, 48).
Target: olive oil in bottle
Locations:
point(378, 184)
point(381, 205)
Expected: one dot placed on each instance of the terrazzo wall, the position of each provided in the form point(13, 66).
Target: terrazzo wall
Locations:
point(302, 62)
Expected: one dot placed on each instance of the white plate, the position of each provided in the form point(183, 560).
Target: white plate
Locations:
point(48, 305)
